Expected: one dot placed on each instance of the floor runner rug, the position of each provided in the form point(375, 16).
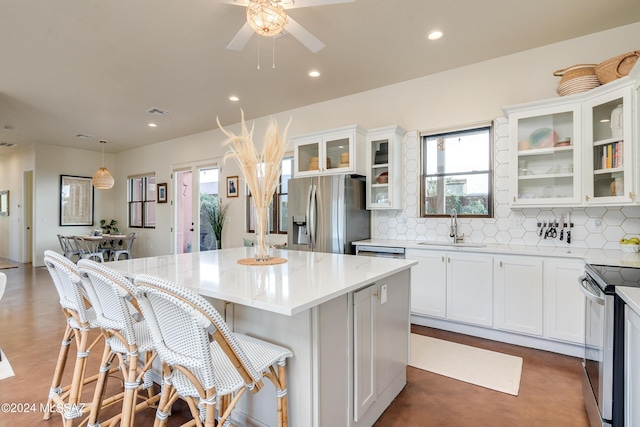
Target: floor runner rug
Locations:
point(5, 367)
point(489, 369)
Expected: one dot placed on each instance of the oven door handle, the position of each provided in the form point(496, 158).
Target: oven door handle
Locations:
point(584, 286)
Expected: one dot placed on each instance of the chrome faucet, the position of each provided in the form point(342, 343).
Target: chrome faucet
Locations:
point(453, 228)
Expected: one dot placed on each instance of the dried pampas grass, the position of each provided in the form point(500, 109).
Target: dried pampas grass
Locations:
point(261, 171)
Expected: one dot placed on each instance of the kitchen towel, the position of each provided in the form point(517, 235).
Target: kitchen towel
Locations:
point(489, 369)
point(5, 367)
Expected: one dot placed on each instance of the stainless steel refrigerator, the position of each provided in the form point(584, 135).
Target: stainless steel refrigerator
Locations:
point(327, 213)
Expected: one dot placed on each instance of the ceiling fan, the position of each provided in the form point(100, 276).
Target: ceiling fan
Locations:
point(269, 18)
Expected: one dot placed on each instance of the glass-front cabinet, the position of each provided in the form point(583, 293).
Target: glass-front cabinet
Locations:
point(330, 152)
point(384, 168)
point(608, 175)
point(545, 155)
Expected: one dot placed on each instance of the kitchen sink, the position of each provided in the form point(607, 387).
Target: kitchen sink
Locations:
point(456, 245)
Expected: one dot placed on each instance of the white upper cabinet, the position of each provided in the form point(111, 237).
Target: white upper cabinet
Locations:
point(576, 150)
point(608, 159)
point(545, 152)
point(330, 152)
point(384, 168)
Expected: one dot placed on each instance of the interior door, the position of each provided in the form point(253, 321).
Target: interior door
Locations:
point(27, 217)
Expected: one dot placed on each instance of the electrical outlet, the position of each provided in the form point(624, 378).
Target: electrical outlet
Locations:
point(597, 222)
point(515, 223)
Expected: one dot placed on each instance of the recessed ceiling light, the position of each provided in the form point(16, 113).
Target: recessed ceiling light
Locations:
point(234, 98)
point(434, 35)
point(314, 73)
point(605, 121)
point(83, 135)
point(152, 125)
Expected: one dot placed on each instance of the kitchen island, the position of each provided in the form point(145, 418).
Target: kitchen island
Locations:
point(345, 318)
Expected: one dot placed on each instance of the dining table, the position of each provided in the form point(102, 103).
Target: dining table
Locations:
point(346, 318)
point(96, 242)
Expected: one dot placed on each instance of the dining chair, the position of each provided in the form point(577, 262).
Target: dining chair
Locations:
point(3, 285)
point(69, 247)
point(203, 361)
point(88, 250)
point(81, 320)
point(112, 296)
point(124, 248)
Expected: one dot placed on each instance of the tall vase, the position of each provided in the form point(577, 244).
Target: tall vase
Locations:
point(261, 244)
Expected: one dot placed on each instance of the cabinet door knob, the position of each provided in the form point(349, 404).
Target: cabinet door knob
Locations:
point(442, 258)
point(500, 264)
point(449, 260)
point(586, 198)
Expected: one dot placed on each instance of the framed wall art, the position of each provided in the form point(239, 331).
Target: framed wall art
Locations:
point(76, 200)
point(162, 193)
point(232, 186)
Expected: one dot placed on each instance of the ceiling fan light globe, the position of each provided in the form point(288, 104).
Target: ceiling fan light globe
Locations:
point(266, 17)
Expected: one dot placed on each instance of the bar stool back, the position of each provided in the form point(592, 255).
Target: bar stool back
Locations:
point(81, 320)
point(127, 337)
point(202, 358)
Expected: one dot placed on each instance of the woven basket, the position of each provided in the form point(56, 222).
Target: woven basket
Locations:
point(577, 78)
point(616, 67)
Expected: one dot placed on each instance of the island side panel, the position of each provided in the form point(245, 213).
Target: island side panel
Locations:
point(391, 330)
point(317, 375)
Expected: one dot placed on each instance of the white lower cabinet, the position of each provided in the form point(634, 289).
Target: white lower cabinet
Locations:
point(518, 294)
point(380, 352)
point(470, 288)
point(631, 368)
point(564, 304)
point(428, 283)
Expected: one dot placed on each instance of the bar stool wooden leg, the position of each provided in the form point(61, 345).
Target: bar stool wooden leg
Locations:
point(56, 382)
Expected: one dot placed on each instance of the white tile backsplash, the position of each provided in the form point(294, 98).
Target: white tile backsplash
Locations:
point(508, 226)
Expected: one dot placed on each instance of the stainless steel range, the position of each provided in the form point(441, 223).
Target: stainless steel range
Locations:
point(603, 380)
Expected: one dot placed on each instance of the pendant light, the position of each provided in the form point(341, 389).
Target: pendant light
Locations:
point(102, 179)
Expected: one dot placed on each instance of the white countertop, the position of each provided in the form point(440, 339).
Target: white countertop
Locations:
point(631, 296)
point(306, 280)
point(614, 257)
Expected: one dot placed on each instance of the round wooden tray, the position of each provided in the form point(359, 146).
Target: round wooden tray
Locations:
point(271, 261)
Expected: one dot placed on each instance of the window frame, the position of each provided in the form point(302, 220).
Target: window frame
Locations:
point(145, 203)
point(474, 127)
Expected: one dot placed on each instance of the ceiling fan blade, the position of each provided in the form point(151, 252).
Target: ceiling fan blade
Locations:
point(241, 38)
point(309, 3)
point(305, 37)
point(234, 2)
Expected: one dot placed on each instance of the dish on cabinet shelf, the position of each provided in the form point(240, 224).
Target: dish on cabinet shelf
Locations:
point(547, 191)
point(383, 178)
point(382, 197)
point(543, 138)
point(539, 170)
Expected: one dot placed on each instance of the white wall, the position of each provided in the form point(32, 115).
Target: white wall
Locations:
point(12, 165)
point(464, 95)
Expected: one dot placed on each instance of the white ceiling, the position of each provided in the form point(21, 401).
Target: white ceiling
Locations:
point(96, 66)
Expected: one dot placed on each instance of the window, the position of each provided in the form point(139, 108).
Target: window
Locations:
point(456, 172)
point(278, 212)
point(142, 201)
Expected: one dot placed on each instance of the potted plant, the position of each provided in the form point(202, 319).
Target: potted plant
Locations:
point(110, 227)
point(214, 212)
